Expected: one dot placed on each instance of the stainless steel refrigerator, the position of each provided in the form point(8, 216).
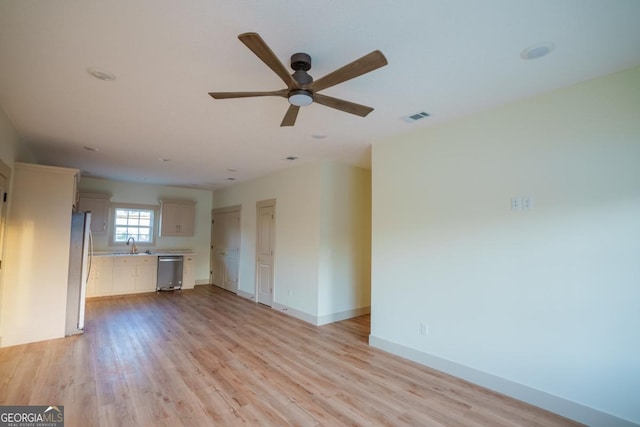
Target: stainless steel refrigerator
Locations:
point(80, 253)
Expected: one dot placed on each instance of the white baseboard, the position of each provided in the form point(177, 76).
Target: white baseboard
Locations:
point(247, 295)
point(555, 404)
point(321, 320)
point(343, 315)
point(295, 313)
point(202, 282)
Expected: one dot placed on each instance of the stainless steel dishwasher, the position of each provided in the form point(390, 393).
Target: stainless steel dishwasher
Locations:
point(169, 272)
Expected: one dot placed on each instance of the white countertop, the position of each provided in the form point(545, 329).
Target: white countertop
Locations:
point(162, 252)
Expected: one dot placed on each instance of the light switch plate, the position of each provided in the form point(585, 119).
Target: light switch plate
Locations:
point(516, 203)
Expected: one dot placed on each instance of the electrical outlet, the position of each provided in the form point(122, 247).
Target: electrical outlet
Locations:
point(289, 292)
point(527, 203)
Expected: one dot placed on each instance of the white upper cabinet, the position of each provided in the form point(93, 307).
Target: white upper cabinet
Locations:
point(177, 217)
point(98, 204)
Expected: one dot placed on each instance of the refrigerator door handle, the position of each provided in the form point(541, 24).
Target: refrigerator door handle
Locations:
point(90, 255)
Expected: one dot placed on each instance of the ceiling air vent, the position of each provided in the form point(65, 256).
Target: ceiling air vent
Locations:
point(416, 116)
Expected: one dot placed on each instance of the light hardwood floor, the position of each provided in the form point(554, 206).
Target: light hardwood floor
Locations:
point(207, 357)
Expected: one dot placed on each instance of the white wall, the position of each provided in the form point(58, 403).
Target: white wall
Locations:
point(297, 194)
point(548, 298)
point(310, 282)
point(345, 240)
point(8, 140)
point(11, 148)
point(147, 194)
point(8, 153)
point(36, 264)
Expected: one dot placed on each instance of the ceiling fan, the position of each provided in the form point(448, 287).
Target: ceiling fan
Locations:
point(301, 88)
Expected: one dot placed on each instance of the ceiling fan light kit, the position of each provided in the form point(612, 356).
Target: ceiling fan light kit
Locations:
point(300, 98)
point(301, 89)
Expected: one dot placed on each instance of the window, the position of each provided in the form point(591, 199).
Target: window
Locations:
point(133, 221)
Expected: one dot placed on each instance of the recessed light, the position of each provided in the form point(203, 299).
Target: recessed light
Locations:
point(231, 179)
point(163, 160)
point(318, 136)
point(101, 75)
point(86, 147)
point(232, 170)
point(290, 158)
point(537, 50)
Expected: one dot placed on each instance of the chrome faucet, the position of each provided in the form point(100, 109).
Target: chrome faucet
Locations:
point(133, 246)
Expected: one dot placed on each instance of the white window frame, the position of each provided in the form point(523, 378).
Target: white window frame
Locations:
point(130, 206)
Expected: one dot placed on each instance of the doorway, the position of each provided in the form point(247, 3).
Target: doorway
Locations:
point(225, 247)
point(265, 244)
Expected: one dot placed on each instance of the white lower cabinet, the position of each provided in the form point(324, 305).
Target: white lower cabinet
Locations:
point(100, 277)
point(117, 275)
point(188, 272)
point(146, 273)
point(124, 275)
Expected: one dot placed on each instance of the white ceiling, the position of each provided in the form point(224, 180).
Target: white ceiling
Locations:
point(448, 58)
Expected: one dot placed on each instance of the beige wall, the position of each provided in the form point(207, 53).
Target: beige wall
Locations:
point(8, 140)
point(36, 264)
point(297, 240)
point(147, 194)
point(345, 239)
point(9, 145)
point(542, 304)
point(310, 282)
point(11, 148)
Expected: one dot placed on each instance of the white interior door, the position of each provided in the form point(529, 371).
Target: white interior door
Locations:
point(264, 256)
point(217, 249)
point(232, 250)
point(225, 248)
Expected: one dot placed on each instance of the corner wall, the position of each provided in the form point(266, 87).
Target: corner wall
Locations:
point(308, 282)
point(11, 148)
point(8, 140)
point(542, 304)
point(345, 243)
point(297, 240)
point(37, 266)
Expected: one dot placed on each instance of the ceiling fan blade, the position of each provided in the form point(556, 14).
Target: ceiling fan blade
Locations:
point(290, 116)
point(342, 105)
point(258, 46)
point(228, 95)
point(367, 63)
